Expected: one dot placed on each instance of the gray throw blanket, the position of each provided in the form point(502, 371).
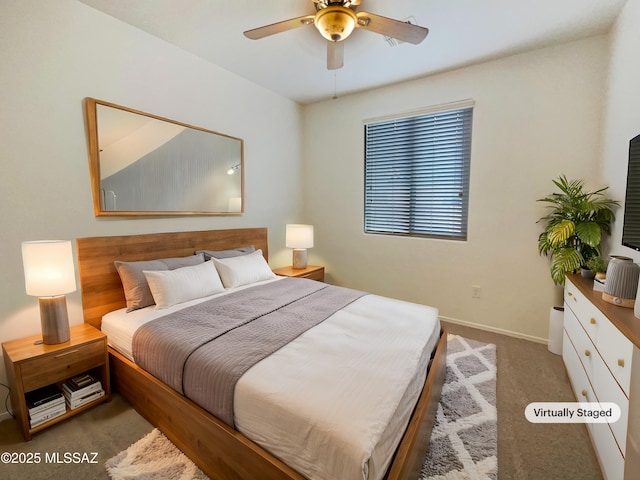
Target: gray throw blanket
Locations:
point(203, 350)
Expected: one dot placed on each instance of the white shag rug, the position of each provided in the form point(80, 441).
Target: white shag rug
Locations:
point(463, 442)
point(153, 457)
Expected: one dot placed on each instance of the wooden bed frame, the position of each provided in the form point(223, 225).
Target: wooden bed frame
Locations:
point(220, 451)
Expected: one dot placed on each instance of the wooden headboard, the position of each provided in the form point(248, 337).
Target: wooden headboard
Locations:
point(100, 283)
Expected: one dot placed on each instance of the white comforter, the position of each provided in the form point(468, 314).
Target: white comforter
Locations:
point(334, 403)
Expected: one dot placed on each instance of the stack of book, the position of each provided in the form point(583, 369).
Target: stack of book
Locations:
point(45, 404)
point(82, 389)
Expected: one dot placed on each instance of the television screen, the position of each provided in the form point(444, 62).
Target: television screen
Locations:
point(631, 224)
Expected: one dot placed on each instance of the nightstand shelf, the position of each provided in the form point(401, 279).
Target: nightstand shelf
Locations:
point(313, 272)
point(31, 366)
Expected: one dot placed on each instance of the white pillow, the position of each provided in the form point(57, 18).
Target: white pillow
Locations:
point(237, 271)
point(170, 287)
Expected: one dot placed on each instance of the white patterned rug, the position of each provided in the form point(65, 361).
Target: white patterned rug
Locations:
point(153, 457)
point(463, 442)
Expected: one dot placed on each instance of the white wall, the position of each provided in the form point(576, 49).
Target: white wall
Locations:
point(622, 119)
point(54, 54)
point(536, 115)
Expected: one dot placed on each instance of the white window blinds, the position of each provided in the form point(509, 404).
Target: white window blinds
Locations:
point(417, 174)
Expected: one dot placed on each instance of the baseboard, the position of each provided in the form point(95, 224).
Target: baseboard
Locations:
point(5, 416)
point(495, 330)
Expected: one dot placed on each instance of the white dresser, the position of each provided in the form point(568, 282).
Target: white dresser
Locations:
point(602, 357)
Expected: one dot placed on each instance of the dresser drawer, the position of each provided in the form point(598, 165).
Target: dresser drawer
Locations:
point(579, 381)
point(617, 352)
point(317, 275)
point(585, 349)
point(62, 364)
point(607, 390)
point(611, 460)
point(574, 299)
point(589, 316)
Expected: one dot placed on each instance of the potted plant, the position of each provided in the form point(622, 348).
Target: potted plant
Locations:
point(586, 272)
point(575, 226)
point(598, 265)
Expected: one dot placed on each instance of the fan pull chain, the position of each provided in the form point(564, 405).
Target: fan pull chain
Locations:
point(335, 88)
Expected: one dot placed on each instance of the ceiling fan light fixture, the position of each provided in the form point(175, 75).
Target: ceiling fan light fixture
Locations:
point(335, 23)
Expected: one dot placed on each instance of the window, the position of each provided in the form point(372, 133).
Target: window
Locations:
point(417, 173)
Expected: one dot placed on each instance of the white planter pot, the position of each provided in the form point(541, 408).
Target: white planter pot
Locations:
point(556, 322)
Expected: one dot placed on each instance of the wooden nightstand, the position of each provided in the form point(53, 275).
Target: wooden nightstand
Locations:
point(30, 366)
point(313, 272)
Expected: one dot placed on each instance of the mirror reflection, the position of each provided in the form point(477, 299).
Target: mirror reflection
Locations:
point(142, 164)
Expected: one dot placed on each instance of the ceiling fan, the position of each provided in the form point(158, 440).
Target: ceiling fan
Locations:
point(336, 20)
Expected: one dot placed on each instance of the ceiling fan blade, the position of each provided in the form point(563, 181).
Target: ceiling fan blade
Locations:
point(335, 55)
point(397, 29)
point(279, 27)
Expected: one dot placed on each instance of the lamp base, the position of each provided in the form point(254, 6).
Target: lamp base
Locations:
point(621, 302)
point(299, 258)
point(54, 320)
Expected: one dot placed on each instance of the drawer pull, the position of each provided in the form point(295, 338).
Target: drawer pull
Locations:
point(593, 321)
point(570, 294)
point(64, 354)
point(621, 362)
point(587, 353)
point(584, 393)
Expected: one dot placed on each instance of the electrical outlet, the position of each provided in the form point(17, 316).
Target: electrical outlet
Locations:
point(475, 291)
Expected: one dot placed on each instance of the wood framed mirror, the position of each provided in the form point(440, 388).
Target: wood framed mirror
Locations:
point(143, 164)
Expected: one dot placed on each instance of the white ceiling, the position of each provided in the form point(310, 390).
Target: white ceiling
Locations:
point(293, 63)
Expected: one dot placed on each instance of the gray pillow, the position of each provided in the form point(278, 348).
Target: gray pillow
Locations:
point(236, 252)
point(136, 289)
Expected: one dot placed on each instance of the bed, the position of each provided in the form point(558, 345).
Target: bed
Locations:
point(238, 451)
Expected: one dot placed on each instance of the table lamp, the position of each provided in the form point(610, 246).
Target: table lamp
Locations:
point(49, 274)
point(299, 237)
point(622, 282)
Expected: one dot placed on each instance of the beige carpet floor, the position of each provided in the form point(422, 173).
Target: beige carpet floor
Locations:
point(527, 372)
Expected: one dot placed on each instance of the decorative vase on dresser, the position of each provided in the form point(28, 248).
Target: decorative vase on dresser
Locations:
point(622, 282)
point(601, 353)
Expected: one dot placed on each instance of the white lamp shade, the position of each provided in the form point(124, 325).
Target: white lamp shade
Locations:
point(299, 236)
point(48, 268)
